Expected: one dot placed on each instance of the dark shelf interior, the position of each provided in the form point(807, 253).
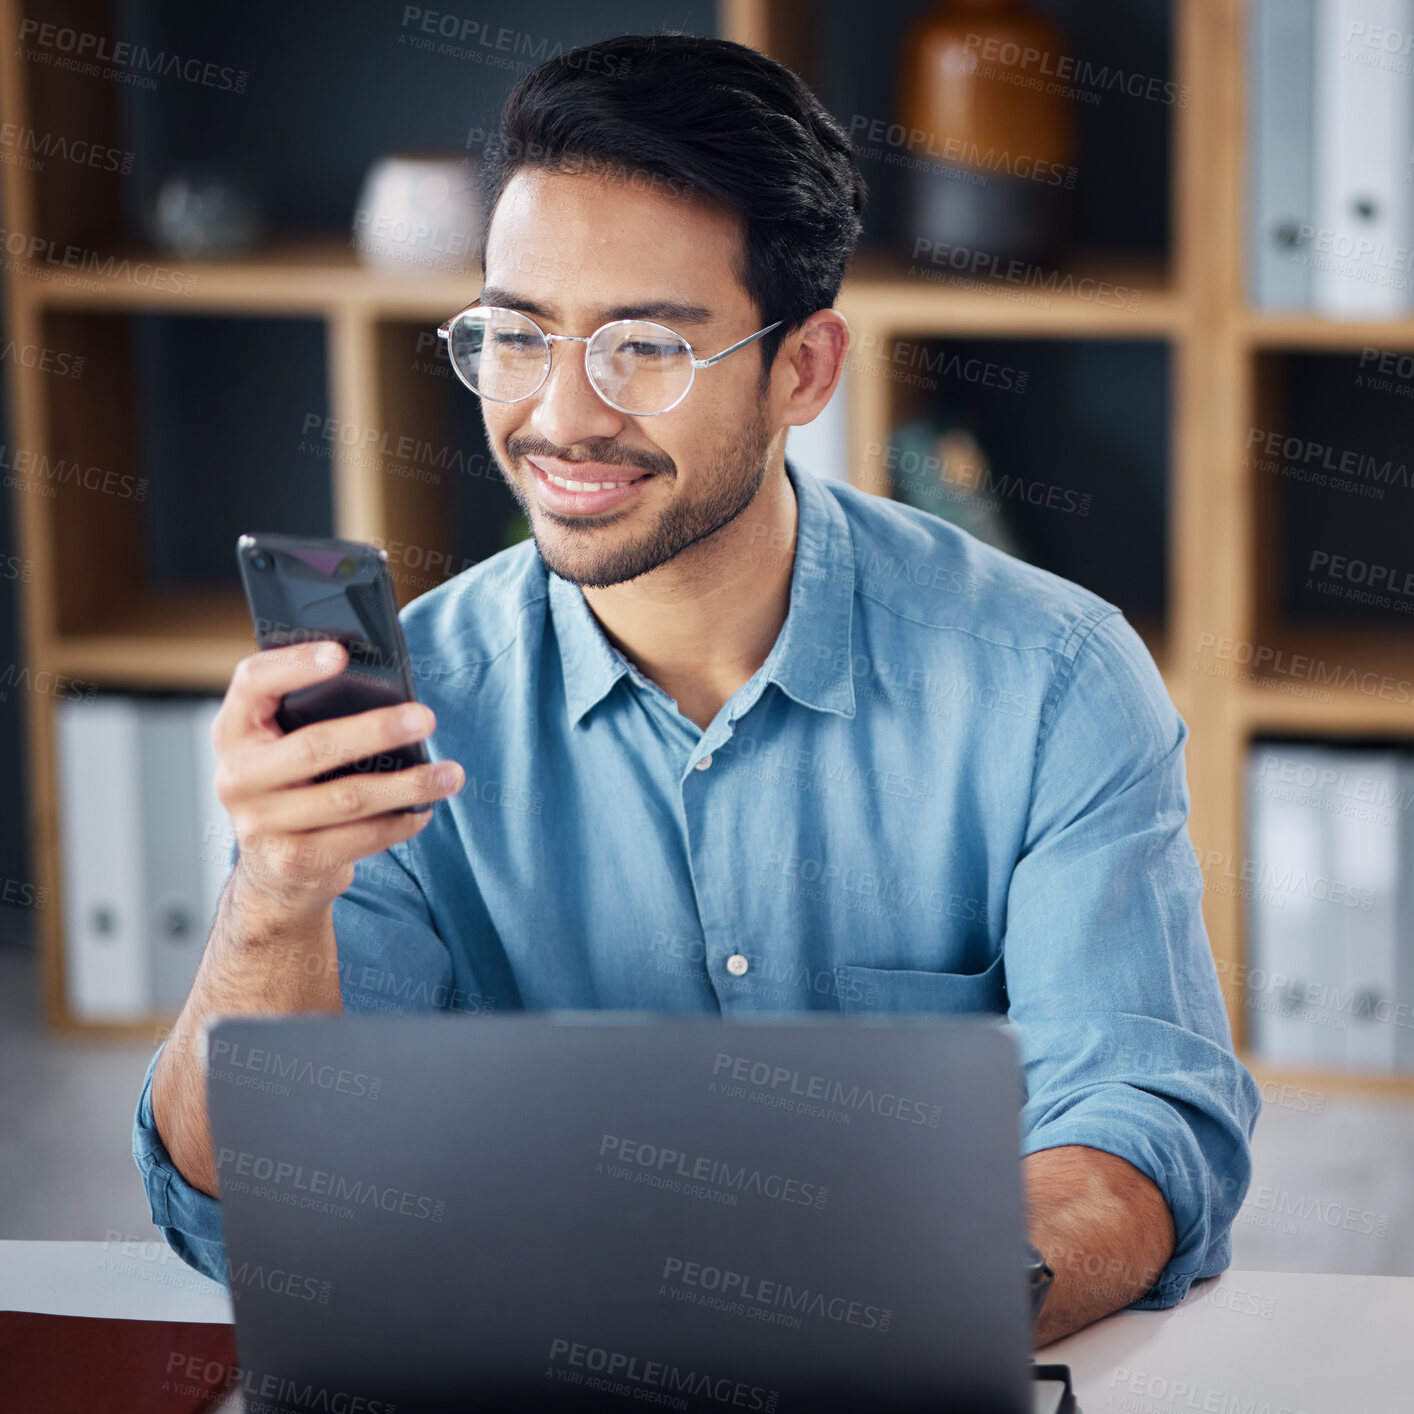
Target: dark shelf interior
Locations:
point(229, 409)
point(1340, 479)
point(1075, 436)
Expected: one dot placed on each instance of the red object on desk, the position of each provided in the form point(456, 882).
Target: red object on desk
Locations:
point(84, 1365)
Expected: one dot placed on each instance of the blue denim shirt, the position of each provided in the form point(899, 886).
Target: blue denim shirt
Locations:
point(955, 784)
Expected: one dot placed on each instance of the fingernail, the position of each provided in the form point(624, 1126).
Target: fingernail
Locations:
point(414, 718)
point(449, 774)
point(326, 655)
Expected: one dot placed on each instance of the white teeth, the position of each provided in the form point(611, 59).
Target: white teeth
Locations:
point(583, 485)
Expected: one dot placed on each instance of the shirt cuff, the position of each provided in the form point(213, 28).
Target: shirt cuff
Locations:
point(1162, 1138)
point(189, 1219)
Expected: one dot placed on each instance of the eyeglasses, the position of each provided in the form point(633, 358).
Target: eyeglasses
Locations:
point(637, 367)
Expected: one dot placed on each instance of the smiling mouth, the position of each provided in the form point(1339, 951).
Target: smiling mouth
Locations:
point(591, 485)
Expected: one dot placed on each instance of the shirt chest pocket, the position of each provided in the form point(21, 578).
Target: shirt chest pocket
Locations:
point(868, 991)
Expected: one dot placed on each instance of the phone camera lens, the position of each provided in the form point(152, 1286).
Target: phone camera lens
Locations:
point(259, 562)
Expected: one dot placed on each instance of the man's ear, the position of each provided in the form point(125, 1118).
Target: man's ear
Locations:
point(809, 365)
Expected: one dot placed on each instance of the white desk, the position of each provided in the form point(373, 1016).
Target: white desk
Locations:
point(1253, 1343)
point(1248, 1343)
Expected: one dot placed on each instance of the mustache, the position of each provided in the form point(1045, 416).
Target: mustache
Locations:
point(518, 448)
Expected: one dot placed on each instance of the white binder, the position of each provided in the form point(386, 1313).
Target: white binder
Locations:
point(176, 928)
point(108, 973)
point(1280, 151)
point(1403, 1022)
point(1366, 870)
point(1285, 956)
point(1364, 126)
point(214, 836)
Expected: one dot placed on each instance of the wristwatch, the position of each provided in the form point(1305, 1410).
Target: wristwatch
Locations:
point(1039, 1277)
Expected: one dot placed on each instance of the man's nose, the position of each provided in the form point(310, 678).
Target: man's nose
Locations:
point(567, 409)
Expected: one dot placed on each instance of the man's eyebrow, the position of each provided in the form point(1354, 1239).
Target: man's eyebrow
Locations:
point(667, 311)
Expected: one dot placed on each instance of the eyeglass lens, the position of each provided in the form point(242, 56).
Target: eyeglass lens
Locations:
point(638, 366)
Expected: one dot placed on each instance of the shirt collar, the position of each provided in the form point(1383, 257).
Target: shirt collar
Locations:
point(811, 659)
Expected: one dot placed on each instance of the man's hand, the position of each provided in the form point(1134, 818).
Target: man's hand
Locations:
point(272, 950)
point(299, 840)
point(1103, 1227)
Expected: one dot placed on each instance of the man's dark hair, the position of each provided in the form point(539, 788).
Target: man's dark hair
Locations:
point(694, 114)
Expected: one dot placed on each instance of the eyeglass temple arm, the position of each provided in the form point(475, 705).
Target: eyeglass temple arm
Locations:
point(741, 344)
point(444, 330)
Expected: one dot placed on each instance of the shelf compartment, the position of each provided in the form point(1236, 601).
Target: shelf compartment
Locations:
point(180, 436)
point(1056, 451)
point(191, 640)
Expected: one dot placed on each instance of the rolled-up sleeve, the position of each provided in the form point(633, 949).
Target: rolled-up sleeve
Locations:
point(1119, 1016)
point(391, 959)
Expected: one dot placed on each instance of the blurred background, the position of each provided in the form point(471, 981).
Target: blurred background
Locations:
point(1134, 304)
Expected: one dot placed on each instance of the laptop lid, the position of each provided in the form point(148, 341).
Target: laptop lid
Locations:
point(614, 1211)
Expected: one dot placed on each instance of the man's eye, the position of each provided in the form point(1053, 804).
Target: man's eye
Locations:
point(649, 348)
point(515, 343)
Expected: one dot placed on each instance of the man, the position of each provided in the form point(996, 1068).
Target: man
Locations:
point(726, 737)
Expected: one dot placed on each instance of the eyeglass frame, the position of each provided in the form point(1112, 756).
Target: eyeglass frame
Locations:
point(444, 331)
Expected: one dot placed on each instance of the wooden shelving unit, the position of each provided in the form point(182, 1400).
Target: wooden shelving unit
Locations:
point(112, 628)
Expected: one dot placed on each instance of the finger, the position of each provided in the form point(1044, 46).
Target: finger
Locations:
point(355, 797)
point(262, 679)
point(312, 856)
point(298, 756)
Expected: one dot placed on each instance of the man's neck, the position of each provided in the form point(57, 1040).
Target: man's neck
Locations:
point(702, 624)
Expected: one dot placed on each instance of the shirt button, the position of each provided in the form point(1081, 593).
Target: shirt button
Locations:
point(705, 762)
point(737, 964)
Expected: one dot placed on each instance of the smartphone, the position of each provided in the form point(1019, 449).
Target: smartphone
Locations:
point(305, 590)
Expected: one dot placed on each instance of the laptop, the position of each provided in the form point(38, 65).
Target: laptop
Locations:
point(623, 1211)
